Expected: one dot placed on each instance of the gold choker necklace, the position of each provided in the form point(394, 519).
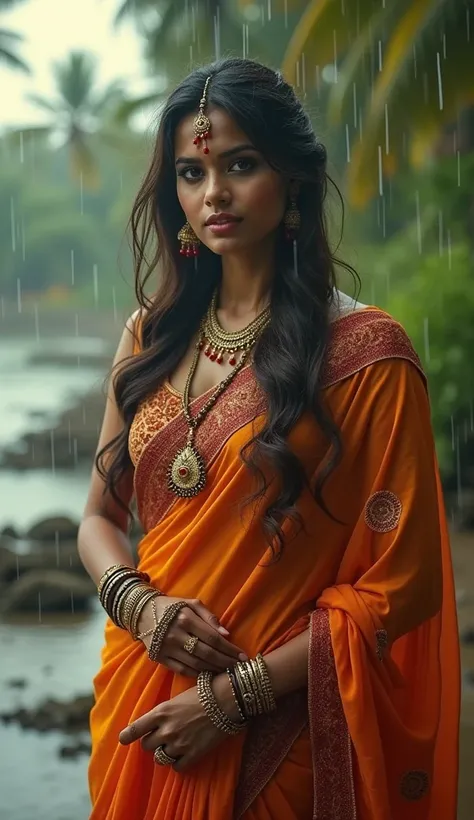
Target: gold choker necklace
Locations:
point(218, 341)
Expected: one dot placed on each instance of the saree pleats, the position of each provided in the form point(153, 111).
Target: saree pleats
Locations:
point(375, 735)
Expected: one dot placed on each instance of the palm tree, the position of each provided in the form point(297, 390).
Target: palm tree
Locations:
point(8, 41)
point(79, 114)
point(401, 72)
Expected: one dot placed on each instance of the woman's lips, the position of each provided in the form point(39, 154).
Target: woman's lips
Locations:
point(224, 227)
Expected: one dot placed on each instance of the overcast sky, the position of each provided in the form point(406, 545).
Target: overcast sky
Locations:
point(51, 29)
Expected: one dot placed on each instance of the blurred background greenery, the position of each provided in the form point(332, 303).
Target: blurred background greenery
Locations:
point(389, 85)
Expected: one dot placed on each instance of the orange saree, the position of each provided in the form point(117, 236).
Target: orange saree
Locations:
point(375, 736)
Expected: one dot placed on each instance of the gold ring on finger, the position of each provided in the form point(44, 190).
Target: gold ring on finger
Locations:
point(190, 644)
point(162, 758)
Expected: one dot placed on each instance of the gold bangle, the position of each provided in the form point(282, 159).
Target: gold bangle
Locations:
point(124, 589)
point(207, 699)
point(142, 635)
point(247, 694)
point(108, 572)
point(154, 593)
point(266, 682)
point(130, 601)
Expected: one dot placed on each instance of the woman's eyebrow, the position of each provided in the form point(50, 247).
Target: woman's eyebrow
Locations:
point(246, 146)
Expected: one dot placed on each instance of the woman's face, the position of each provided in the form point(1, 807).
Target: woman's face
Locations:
point(233, 183)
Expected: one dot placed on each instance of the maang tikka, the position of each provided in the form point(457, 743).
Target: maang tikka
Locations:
point(202, 124)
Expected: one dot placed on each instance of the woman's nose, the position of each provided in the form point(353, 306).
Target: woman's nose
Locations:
point(216, 192)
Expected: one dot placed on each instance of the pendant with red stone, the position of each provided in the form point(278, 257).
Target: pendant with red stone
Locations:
point(187, 473)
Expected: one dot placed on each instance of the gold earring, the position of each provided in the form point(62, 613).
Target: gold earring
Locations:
point(292, 220)
point(189, 241)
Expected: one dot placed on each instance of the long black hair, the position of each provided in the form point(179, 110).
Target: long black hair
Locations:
point(289, 355)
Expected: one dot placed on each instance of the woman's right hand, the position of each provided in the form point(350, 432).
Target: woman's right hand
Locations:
point(212, 652)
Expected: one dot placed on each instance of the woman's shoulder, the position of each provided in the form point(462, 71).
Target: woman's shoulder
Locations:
point(362, 335)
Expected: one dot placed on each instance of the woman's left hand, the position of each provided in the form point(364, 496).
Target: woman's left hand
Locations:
point(180, 725)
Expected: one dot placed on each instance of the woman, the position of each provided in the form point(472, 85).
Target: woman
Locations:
point(276, 438)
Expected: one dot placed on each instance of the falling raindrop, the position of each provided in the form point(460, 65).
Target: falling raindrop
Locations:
point(449, 249)
point(380, 56)
point(343, 8)
point(56, 547)
point(380, 171)
point(217, 33)
point(72, 267)
point(298, 74)
point(348, 144)
point(318, 81)
point(303, 72)
point(458, 473)
point(18, 294)
point(286, 13)
point(468, 25)
point(76, 458)
point(418, 220)
point(444, 46)
point(387, 144)
point(12, 221)
point(95, 276)
point(440, 84)
point(269, 10)
point(53, 454)
point(37, 331)
point(426, 338)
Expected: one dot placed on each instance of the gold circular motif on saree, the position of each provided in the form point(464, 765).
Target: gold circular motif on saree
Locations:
point(383, 511)
point(162, 758)
point(414, 784)
point(190, 644)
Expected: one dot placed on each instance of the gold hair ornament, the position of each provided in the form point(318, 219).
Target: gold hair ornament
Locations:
point(202, 124)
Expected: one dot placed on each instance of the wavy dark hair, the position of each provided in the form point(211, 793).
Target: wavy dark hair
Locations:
point(289, 355)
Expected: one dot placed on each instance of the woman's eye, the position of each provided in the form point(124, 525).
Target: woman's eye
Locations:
point(193, 172)
point(245, 164)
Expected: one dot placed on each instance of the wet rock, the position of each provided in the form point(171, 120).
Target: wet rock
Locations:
point(47, 591)
point(8, 532)
point(70, 441)
point(17, 683)
point(467, 636)
point(49, 529)
point(71, 752)
point(63, 556)
point(66, 716)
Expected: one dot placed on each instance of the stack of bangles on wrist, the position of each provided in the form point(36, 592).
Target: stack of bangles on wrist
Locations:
point(124, 592)
point(252, 690)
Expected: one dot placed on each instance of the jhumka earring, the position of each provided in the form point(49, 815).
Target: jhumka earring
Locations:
point(202, 124)
point(189, 241)
point(292, 220)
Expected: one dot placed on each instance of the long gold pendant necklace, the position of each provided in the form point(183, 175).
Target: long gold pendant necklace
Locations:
point(187, 471)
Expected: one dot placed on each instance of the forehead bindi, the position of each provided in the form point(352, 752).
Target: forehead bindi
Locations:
point(225, 134)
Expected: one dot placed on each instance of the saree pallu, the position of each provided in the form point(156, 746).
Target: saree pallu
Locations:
point(375, 735)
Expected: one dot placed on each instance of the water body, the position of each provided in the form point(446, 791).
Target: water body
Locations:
point(56, 656)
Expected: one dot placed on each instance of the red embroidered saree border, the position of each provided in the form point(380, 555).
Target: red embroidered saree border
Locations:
point(333, 783)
